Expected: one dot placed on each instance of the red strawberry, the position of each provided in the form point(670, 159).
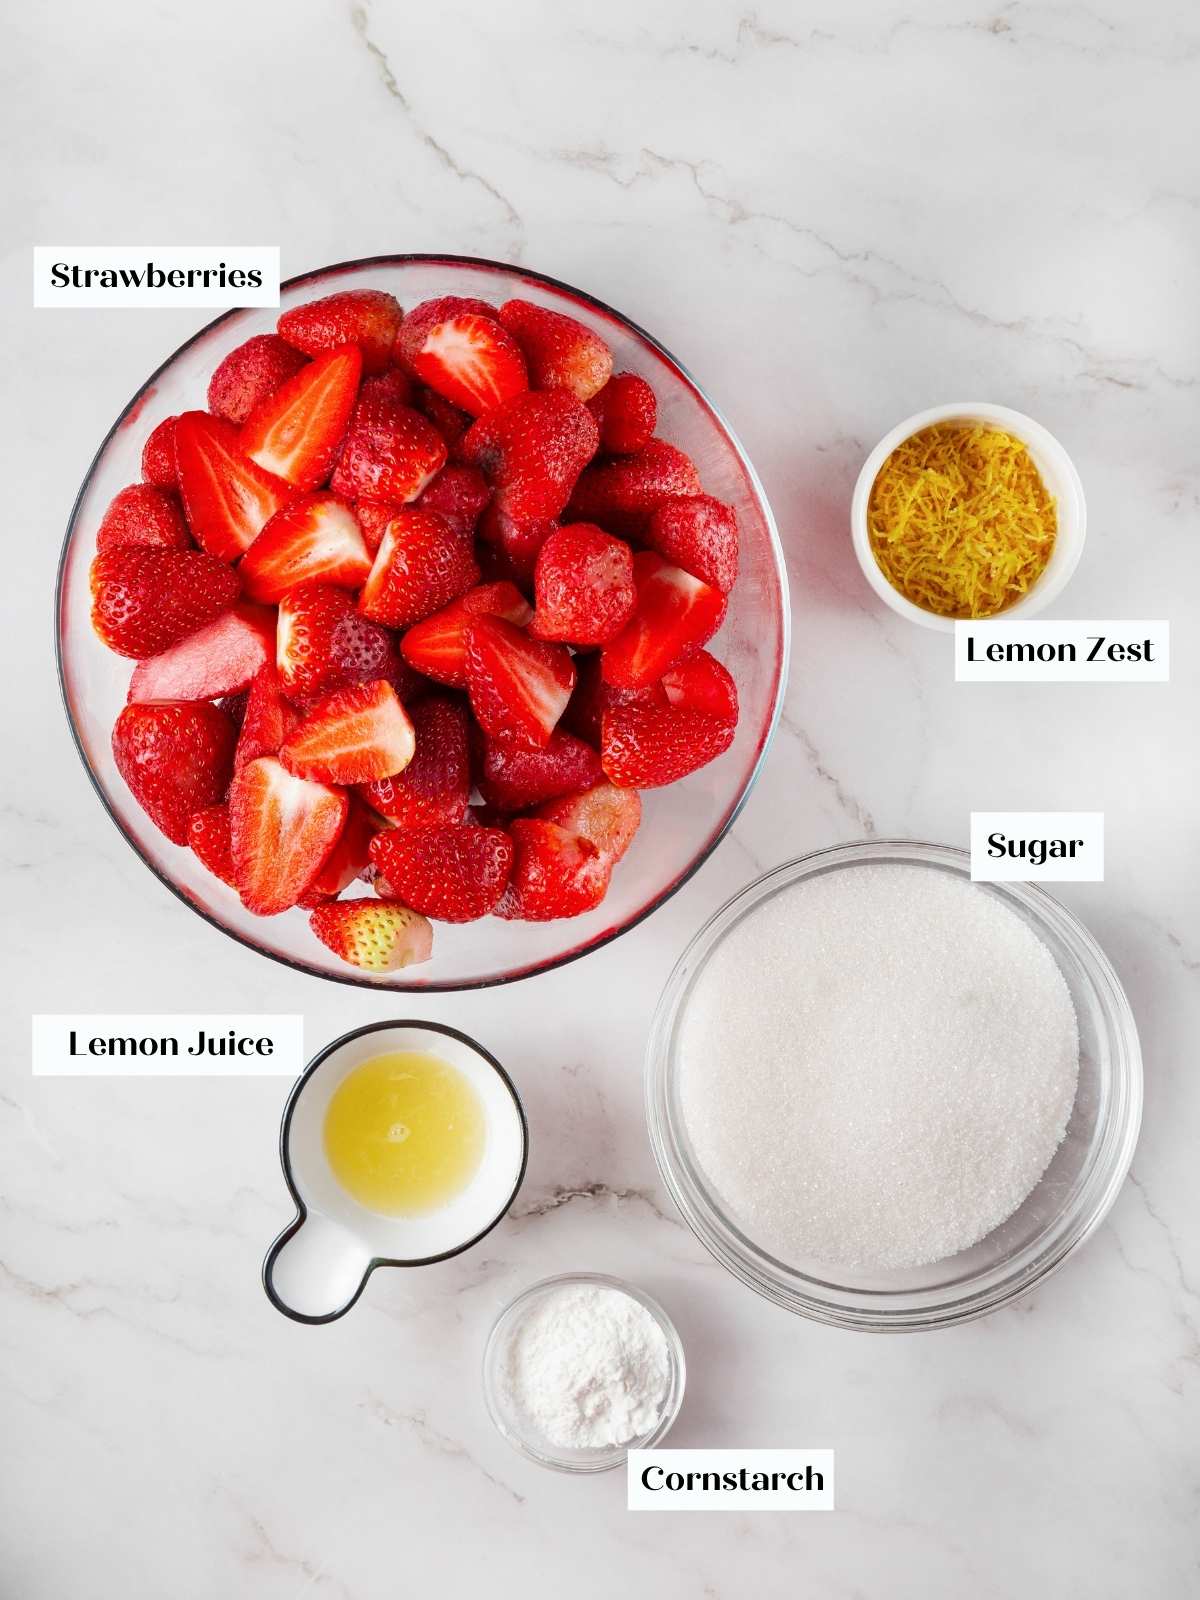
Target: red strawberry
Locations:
point(701, 683)
point(621, 494)
point(391, 451)
point(519, 687)
point(429, 314)
point(377, 935)
point(282, 831)
point(143, 515)
point(323, 643)
point(459, 494)
point(604, 815)
point(561, 353)
point(437, 645)
point(700, 535)
point(452, 871)
point(675, 615)
point(373, 518)
point(234, 706)
point(422, 564)
point(144, 599)
point(643, 747)
point(295, 432)
point(583, 586)
point(514, 543)
point(555, 873)
point(626, 413)
point(219, 659)
point(449, 421)
point(208, 835)
point(513, 778)
point(268, 721)
point(249, 374)
point(533, 448)
point(436, 784)
point(158, 456)
point(593, 697)
point(227, 497)
point(352, 735)
point(349, 859)
point(463, 355)
point(369, 318)
point(315, 539)
point(176, 759)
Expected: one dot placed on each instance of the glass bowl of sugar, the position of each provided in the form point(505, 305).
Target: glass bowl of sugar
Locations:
point(889, 1098)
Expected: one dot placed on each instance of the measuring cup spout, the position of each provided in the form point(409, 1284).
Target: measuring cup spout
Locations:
point(315, 1270)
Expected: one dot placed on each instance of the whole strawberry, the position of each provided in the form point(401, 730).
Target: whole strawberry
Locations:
point(626, 413)
point(454, 872)
point(144, 598)
point(533, 448)
point(621, 493)
point(142, 514)
point(249, 374)
point(561, 353)
point(177, 757)
point(369, 318)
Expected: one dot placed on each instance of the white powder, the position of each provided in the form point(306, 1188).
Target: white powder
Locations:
point(586, 1366)
point(877, 1066)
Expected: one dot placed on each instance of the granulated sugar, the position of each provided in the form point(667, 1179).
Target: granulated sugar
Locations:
point(877, 1066)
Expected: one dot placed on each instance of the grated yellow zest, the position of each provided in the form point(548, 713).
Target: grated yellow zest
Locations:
point(960, 521)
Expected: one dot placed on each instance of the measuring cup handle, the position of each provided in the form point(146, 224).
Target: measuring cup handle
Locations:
point(315, 1270)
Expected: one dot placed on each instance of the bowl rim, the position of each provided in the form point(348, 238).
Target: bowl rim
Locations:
point(605, 936)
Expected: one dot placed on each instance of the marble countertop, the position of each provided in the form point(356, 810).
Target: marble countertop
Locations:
point(837, 213)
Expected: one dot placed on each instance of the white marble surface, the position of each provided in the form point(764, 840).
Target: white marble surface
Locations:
point(836, 213)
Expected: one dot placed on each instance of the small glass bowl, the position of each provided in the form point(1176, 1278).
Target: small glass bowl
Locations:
point(556, 1456)
point(1067, 1204)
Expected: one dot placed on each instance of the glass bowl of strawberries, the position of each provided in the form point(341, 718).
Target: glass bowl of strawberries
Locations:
point(428, 633)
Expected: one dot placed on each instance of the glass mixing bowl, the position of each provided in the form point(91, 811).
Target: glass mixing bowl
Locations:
point(1069, 1201)
point(683, 823)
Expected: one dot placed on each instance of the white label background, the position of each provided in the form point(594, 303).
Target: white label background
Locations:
point(643, 1499)
point(52, 1044)
point(263, 258)
point(1087, 866)
point(1080, 634)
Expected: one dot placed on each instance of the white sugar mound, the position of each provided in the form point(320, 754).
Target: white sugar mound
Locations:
point(877, 1066)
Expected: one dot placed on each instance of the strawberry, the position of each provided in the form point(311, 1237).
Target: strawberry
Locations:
point(561, 352)
point(377, 935)
point(176, 759)
point(373, 518)
point(454, 871)
point(368, 318)
point(234, 706)
point(348, 860)
point(449, 421)
point(430, 314)
point(675, 615)
point(315, 538)
point(282, 831)
point(621, 494)
point(700, 535)
point(249, 374)
point(464, 355)
point(144, 599)
point(512, 778)
point(422, 564)
point(459, 494)
point(437, 645)
point(626, 413)
point(218, 659)
point(555, 873)
point(519, 687)
point(533, 448)
point(227, 497)
point(208, 835)
point(158, 456)
point(593, 697)
point(143, 515)
point(269, 718)
point(323, 643)
point(391, 451)
point(514, 543)
point(352, 735)
point(583, 585)
point(604, 815)
point(296, 431)
point(643, 747)
point(701, 683)
point(436, 784)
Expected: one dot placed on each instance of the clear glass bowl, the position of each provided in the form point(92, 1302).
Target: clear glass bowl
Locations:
point(541, 1450)
point(1072, 1197)
point(683, 823)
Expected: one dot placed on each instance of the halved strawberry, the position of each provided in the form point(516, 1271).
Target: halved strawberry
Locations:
point(675, 615)
point(282, 831)
point(453, 871)
point(368, 318)
point(620, 494)
point(268, 720)
point(352, 735)
point(373, 518)
point(220, 658)
point(208, 835)
point(144, 599)
point(142, 514)
point(513, 544)
point(701, 683)
point(376, 935)
point(422, 564)
point(626, 413)
point(159, 466)
point(436, 784)
point(249, 374)
point(561, 353)
point(315, 539)
point(533, 448)
point(459, 494)
point(463, 355)
point(295, 432)
point(430, 314)
point(583, 586)
point(226, 496)
point(391, 451)
point(604, 815)
point(555, 873)
point(700, 535)
point(593, 697)
point(513, 777)
point(644, 747)
point(437, 645)
point(348, 860)
point(519, 687)
point(176, 759)
point(324, 643)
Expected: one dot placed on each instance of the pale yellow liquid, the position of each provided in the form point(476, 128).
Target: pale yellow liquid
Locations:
point(404, 1133)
